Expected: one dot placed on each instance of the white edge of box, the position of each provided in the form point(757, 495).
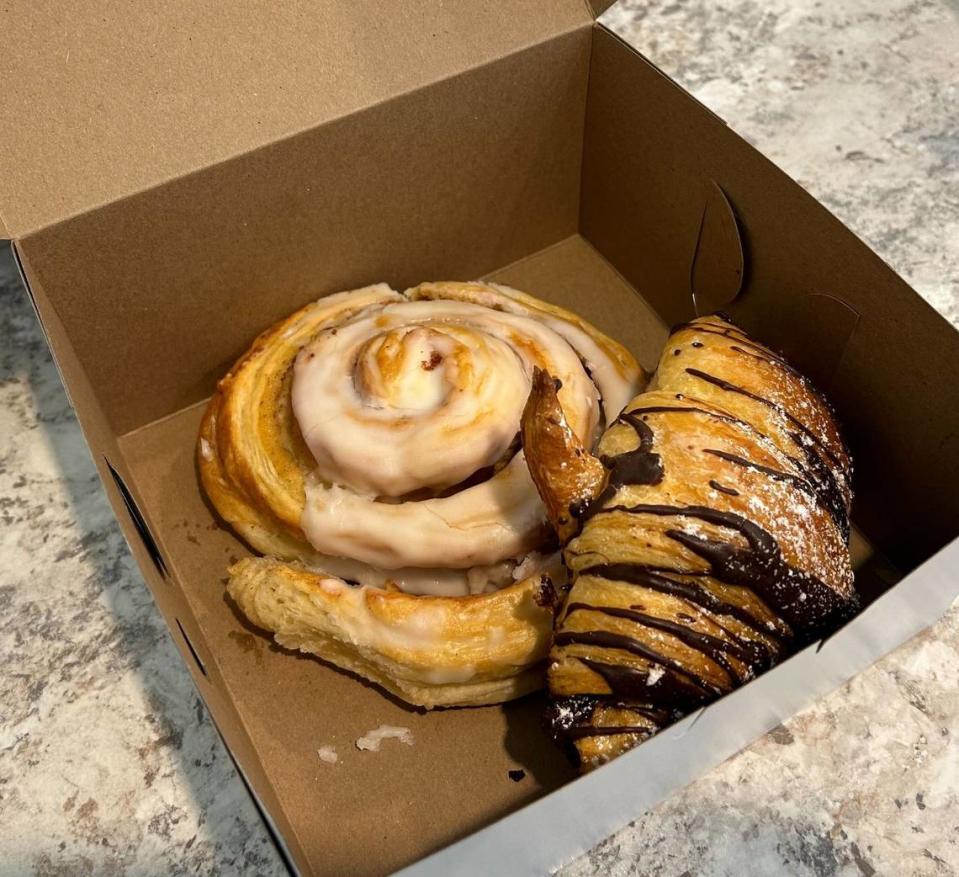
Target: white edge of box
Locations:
point(545, 835)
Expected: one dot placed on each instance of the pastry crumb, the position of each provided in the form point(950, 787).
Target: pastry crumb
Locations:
point(328, 754)
point(371, 741)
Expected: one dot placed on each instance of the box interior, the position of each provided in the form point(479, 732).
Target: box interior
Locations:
point(572, 169)
point(403, 802)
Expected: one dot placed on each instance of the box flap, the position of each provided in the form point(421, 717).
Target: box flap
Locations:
point(598, 7)
point(105, 99)
point(809, 287)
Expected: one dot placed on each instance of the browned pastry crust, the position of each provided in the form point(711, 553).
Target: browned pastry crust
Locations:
point(256, 468)
point(566, 475)
point(431, 651)
point(716, 544)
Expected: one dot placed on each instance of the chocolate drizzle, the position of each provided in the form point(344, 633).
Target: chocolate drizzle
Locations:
point(807, 604)
point(607, 640)
point(801, 599)
point(569, 717)
point(692, 409)
point(545, 595)
point(820, 481)
point(733, 640)
point(735, 334)
point(756, 351)
point(820, 476)
point(639, 466)
point(824, 482)
point(807, 433)
point(713, 647)
point(671, 690)
point(775, 474)
point(694, 593)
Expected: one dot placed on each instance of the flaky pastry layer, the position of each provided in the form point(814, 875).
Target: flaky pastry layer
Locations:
point(332, 580)
point(710, 543)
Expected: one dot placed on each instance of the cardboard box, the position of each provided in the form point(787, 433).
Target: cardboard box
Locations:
point(178, 178)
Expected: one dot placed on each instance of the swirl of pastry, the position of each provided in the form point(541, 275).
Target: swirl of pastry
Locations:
point(373, 438)
point(419, 396)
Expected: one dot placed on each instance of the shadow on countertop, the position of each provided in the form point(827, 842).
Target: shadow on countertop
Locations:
point(112, 750)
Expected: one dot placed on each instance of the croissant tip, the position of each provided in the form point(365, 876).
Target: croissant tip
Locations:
point(543, 381)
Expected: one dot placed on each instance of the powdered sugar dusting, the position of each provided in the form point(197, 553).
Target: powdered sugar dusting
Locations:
point(772, 543)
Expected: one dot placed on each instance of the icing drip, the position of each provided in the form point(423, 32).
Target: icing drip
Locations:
point(411, 409)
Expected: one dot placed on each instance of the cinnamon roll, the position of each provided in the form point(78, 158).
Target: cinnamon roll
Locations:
point(369, 446)
point(706, 540)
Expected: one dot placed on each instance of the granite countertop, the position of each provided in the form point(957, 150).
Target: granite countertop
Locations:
point(108, 761)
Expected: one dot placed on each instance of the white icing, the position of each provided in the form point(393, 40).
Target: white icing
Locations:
point(449, 675)
point(484, 524)
point(479, 578)
point(381, 418)
point(436, 582)
point(371, 741)
point(531, 564)
point(331, 586)
point(496, 636)
point(327, 754)
point(414, 394)
point(419, 632)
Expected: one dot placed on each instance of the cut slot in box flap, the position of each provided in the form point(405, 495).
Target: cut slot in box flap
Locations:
point(717, 270)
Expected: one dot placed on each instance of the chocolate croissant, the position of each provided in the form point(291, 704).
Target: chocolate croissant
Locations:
point(706, 541)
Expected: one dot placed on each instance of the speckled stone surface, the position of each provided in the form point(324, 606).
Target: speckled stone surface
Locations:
point(108, 762)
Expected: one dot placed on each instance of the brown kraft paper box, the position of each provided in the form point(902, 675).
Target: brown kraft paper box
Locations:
point(175, 180)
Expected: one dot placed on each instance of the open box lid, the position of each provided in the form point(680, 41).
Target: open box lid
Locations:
point(106, 99)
